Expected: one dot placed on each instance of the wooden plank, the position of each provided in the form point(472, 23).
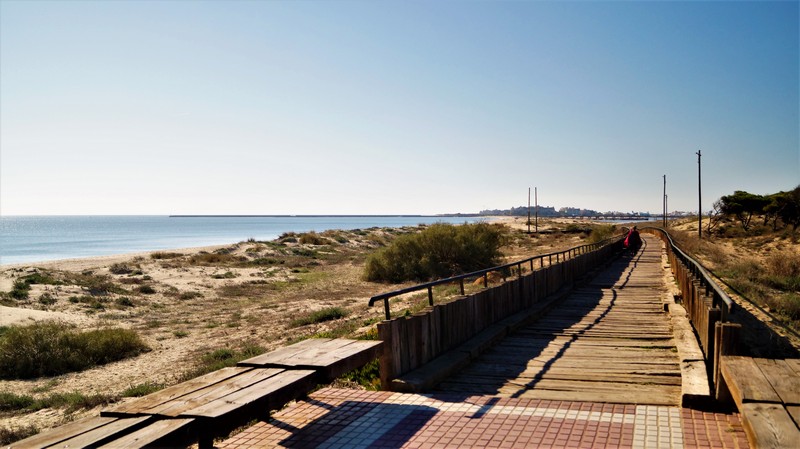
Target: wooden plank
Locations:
point(273, 392)
point(279, 356)
point(386, 362)
point(794, 364)
point(769, 426)
point(331, 357)
point(62, 433)
point(794, 412)
point(160, 433)
point(349, 355)
point(177, 407)
point(139, 405)
point(782, 378)
point(108, 432)
point(746, 382)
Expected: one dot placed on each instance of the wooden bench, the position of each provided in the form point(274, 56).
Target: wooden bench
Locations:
point(98, 431)
point(214, 404)
point(767, 394)
point(329, 358)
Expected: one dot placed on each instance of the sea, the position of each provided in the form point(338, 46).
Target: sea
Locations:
point(27, 239)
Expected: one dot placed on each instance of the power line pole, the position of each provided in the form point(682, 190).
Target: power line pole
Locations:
point(536, 198)
point(529, 210)
point(666, 207)
point(664, 201)
point(699, 199)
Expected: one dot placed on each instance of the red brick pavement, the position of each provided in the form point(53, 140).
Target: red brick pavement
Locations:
point(334, 418)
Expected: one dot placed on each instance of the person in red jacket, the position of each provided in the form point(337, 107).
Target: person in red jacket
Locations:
point(633, 240)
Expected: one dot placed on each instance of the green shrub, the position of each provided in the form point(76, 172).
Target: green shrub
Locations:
point(140, 390)
point(120, 268)
point(367, 376)
point(319, 316)
point(40, 278)
point(225, 275)
point(47, 299)
point(441, 250)
point(10, 435)
point(146, 290)
point(204, 258)
point(124, 301)
point(52, 348)
point(602, 232)
point(311, 238)
point(20, 290)
point(10, 402)
point(190, 295)
point(95, 284)
point(164, 255)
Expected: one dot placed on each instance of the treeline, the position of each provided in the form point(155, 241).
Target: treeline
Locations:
point(778, 210)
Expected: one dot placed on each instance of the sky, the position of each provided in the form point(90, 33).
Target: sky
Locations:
point(393, 107)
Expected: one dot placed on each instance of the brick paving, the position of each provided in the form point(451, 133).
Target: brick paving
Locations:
point(338, 418)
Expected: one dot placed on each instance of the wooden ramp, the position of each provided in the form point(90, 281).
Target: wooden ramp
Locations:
point(609, 341)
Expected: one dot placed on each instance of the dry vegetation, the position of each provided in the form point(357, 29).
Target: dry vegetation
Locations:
point(201, 310)
point(760, 269)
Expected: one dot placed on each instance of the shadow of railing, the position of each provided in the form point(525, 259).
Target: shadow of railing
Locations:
point(511, 359)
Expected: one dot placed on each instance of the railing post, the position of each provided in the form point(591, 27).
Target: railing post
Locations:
point(430, 295)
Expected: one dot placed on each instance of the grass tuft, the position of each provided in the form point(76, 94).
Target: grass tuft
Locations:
point(52, 348)
point(320, 316)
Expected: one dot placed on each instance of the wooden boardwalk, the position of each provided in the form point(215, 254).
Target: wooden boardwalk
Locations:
point(609, 341)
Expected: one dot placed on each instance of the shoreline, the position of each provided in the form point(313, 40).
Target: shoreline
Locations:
point(517, 222)
point(114, 236)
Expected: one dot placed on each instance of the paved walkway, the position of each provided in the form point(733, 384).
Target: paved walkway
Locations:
point(337, 418)
point(598, 371)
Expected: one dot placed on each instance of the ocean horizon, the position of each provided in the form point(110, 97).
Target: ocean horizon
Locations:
point(44, 238)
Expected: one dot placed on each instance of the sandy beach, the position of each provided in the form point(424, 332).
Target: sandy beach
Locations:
point(188, 302)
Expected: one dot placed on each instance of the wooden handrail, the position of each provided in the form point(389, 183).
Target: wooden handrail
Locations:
point(567, 255)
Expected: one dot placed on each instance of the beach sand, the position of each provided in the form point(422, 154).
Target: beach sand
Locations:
point(218, 297)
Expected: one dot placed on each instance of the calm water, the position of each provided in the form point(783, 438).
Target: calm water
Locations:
point(25, 239)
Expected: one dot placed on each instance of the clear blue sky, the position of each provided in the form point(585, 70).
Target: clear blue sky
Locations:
point(357, 107)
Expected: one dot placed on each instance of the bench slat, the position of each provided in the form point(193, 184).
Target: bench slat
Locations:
point(769, 426)
point(99, 435)
point(138, 406)
point(62, 433)
point(794, 412)
point(782, 378)
point(746, 381)
point(277, 390)
point(150, 435)
point(794, 364)
point(331, 358)
point(283, 355)
point(221, 390)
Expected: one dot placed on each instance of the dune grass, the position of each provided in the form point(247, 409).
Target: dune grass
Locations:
point(320, 316)
point(52, 348)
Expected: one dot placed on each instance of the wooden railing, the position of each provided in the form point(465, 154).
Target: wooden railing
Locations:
point(410, 342)
point(518, 266)
point(706, 304)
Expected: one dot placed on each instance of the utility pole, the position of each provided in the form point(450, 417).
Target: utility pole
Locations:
point(699, 199)
point(664, 201)
point(536, 198)
point(666, 208)
point(529, 210)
